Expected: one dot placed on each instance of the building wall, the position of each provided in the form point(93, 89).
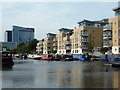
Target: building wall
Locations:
point(47, 45)
point(115, 34)
point(9, 45)
point(39, 47)
point(21, 34)
point(96, 37)
point(60, 42)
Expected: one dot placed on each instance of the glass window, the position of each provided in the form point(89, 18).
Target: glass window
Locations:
point(119, 41)
point(118, 23)
point(119, 32)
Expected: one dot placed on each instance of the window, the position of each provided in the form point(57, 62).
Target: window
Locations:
point(118, 23)
point(119, 41)
point(93, 30)
point(115, 31)
point(115, 40)
point(93, 38)
point(119, 32)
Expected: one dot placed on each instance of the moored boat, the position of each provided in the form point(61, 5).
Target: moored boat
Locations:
point(34, 56)
point(7, 60)
point(47, 57)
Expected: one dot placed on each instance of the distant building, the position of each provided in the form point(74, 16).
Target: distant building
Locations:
point(115, 24)
point(88, 32)
point(9, 45)
point(39, 47)
point(22, 34)
point(48, 43)
point(8, 36)
point(63, 41)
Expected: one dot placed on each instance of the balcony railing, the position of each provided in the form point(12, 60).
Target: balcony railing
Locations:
point(55, 44)
point(68, 42)
point(83, 46)
point(68, 48)
point(55, 39)
point(108, 27)
point(49, 45)
point(83, 34)
point(55, 48)
point(48, 41)
point(84, 40)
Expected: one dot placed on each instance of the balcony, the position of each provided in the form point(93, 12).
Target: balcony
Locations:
point(49, 45)
point(54, 44)
point(68, 47)
point(55, 39)
point(83, 34)
point(108, 27)
point(83, 46)
point(48, 41)
point(84, 40)
point(55, 48)
point(68, 42)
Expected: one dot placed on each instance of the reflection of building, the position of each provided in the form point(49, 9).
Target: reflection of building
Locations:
point(88, 31)
point(22, 34)
point(8, 36)
point(48, 43)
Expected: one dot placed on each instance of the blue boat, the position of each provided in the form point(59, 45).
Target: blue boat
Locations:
point(110, 58)
point(83, 57)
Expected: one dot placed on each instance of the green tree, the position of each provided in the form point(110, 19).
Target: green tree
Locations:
point(104, 49)
point(26, 48)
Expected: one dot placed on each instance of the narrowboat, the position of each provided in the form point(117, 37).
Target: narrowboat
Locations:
point(84, 57)
point(7, 60)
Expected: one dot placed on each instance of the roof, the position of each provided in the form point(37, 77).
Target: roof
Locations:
point(51, 33)
point(115, 9)
point(65, 29)
point(101, 21)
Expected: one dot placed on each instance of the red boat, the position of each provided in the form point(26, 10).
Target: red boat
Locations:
point(47, 57)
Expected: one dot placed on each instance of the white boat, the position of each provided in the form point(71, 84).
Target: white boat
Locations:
point(34, 56)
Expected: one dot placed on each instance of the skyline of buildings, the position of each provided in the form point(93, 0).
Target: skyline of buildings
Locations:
point(18, 35)
point(103, 33)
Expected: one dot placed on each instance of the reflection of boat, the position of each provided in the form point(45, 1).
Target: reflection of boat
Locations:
point(34, 56)
point(7, 59)
point(47, 57)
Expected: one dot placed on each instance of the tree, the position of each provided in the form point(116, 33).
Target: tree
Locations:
point(104, 49)
point(26, 48)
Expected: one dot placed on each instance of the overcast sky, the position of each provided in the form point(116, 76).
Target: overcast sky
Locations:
point(49, 17)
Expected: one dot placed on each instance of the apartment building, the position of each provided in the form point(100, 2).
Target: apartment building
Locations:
point(39, 47)
point(115, 24)
point(63, 41)
point(48, 43)
point(88, 32)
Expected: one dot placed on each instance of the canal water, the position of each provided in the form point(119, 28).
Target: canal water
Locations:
point(44, 74)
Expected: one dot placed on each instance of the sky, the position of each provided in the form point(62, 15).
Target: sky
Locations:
point(48, 17)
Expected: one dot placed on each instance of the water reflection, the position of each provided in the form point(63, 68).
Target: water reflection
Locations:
point(40, 74)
